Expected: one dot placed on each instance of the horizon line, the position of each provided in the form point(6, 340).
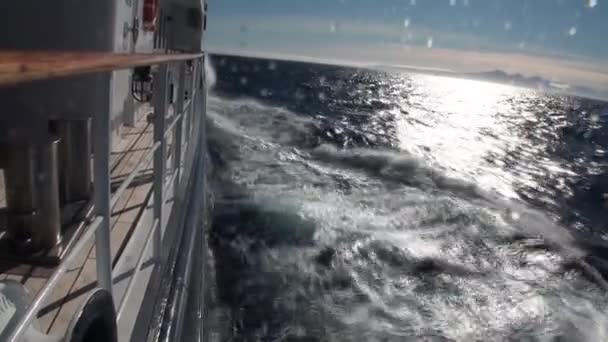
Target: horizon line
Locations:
point(414, 69)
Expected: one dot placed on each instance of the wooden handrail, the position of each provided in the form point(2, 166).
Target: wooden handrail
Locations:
point(24, 66)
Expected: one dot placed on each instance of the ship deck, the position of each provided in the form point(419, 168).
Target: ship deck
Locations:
point(128, 148)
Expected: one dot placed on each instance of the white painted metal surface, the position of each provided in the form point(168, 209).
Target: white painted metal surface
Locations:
point(101, 182)
point(161, 100)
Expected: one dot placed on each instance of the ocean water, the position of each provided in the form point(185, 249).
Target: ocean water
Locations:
point(360, 205)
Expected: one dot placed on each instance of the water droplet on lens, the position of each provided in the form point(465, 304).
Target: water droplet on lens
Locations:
point(572, 31)
point(413, 2)
point(507, 25)
point(332, 27)
point(591, 3)
point(452, 3)
point(322, 96)
point(429, 43)
point(264, 92)
point(272, 66)
point(465, 3)
point(406, 22)
point(243, 80)
point(595, 118)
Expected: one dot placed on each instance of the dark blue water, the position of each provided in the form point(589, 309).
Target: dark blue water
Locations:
point(360, 205)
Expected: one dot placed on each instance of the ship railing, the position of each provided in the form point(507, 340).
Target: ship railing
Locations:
point(18, 67)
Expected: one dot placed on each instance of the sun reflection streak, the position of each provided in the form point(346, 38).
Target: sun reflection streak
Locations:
point(466, 127)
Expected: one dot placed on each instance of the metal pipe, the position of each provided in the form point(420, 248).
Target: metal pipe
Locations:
point(103, 143)
point(197, 68)
point(75, 158)
point(172, 125)
point(185, 136)
point(32, 191)
point(161, 94)
point(40, 299)
point(21, 178)
point(184, 125)
point(166, 186)
point(191, 106)
point(137, 269)
point(186, 105)
point(177, 159)
point(47, 184)
point(194, 107)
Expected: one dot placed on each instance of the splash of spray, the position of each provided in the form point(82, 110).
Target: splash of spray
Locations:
point(211, 77)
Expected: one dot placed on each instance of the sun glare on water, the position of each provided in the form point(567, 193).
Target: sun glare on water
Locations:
point(465, 126)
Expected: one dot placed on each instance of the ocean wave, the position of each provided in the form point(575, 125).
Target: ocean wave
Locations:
point(396, 166)
point(255, 121)
point(211, 76)
point(320, 243)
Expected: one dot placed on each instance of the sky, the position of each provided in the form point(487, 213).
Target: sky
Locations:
point(564, 41)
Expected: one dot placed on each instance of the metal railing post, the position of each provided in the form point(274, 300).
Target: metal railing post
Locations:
point(202, 98)
point(161, 93)
point(203, 91)
point(193, 94)
point(129, 114)
point(203, 132)
point(101, 174)
point(178, 140)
